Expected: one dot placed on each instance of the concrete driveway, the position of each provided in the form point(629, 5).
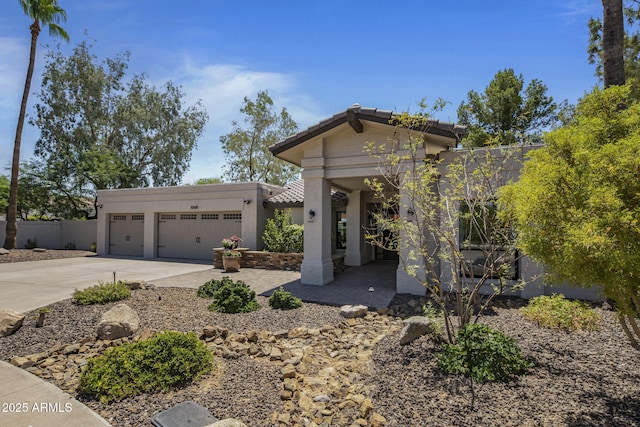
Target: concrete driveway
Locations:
point(26, 286)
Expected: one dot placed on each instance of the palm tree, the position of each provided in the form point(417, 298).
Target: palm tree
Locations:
point(46, 13)
point(613, 43)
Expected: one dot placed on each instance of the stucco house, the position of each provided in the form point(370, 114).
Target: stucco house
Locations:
point(332, 201)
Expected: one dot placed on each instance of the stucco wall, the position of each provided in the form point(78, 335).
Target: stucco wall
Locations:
point(55, 234)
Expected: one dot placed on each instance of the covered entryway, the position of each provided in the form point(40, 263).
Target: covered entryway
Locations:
point(190, 235)
point(333, 153)
point(126, 234)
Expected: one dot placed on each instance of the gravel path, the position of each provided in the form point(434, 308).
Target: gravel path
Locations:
point(580, 379)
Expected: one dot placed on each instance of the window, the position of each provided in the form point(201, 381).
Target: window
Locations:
point(188, 216)
point(232, 216)
point(341, 230)
point(209, 216)
point(485, 243)
point(137, 217)
point(165, 217)
point(118, 217)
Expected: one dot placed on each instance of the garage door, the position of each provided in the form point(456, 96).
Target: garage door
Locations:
point(194, 235)
point(126, 234)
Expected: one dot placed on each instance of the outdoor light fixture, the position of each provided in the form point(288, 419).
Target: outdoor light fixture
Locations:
point(246, 201)
point(312, 214)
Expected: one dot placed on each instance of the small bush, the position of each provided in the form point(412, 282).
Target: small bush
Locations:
point(483, 354)
point(234, 297)
point(557, 312)
point(31, 244)
point(284, 300)
point(207, 289)
point(102, 293)
point(282, 235)
point(70, 246)
point(166, 360)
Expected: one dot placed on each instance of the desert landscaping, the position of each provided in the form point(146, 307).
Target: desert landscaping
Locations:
point(312, 366)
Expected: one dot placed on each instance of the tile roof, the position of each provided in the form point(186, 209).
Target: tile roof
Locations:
point(294, 194)
point(362, 113)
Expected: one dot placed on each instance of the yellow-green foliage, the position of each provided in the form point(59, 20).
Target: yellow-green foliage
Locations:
point(164, 361)
point(102, 293)
point(560, 313)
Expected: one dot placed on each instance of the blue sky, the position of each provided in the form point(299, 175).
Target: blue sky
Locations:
point(316, 58)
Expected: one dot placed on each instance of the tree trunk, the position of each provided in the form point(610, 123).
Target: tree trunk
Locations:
point(12, 209)
point(613, 43)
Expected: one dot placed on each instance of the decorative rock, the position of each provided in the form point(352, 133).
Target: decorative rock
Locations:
point(414, 328)
point(377, 420)
point(135, 284)
point(322, 398)
point(120, 321)
point(22, 362)
point(10, 321)
point(39, 250)
point(288, 371)
point(4, 251)
point(352, 311)
point(229, 422)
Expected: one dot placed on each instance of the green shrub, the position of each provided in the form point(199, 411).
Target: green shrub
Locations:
point(70, 246)
point(483, 354)
point(234, 297)
point(557, 312)
point(31, 244)
point(102, 293)
point(207, 289)
point(166, 360)
point(284, 300)
point(282, 235)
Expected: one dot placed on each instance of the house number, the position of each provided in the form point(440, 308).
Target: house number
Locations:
point(194, 206)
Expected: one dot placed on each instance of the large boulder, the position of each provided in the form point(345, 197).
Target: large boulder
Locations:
point(4, 251)
point(414, 328)
point(120, 321)
point(10, 321)
point(351, 311)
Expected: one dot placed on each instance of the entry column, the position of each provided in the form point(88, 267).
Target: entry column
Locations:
point(355, 240)
point(317, 266)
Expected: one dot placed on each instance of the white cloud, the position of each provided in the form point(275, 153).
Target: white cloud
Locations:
point(222, 88)
point(578, 10)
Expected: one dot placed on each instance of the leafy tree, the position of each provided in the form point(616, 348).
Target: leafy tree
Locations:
point(4, 194)
point(47, 13)
point(448, 235)
point(575, 205)
point(210, 180)
point(40, 198)
point(247, 149)
point(99, 130)
point(507, 112)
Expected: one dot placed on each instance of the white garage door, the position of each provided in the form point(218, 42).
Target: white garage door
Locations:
point(194, 235)
point(126, 234)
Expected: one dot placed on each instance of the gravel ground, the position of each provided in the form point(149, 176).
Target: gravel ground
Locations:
point(21, 255)
point(580, 379)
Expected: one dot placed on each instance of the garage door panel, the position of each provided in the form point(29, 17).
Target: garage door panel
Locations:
point(126, 234)
point(194, 235)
